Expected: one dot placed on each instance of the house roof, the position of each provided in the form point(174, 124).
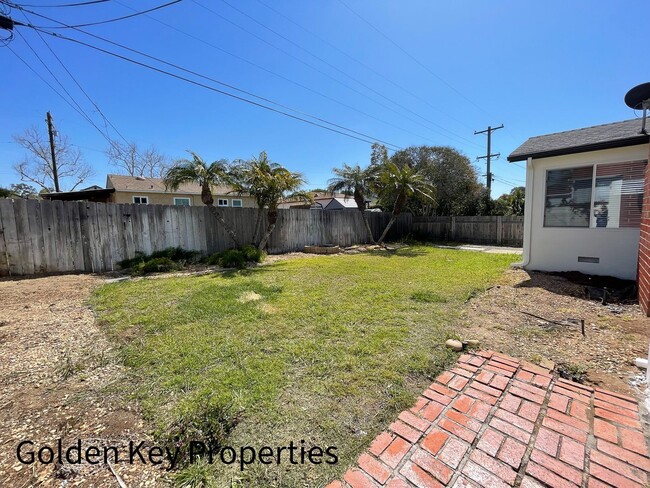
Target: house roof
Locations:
point(93, 194)
point(345, 202)
point(156, 185)
point(606, 136)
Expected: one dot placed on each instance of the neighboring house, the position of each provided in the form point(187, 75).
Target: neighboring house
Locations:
point(332, 201)
point(585, 199)
point(151, 191)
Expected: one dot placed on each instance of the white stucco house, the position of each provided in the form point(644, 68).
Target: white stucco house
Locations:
point(584, 199)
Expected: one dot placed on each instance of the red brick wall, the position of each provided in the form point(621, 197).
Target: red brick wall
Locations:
point(644, 247)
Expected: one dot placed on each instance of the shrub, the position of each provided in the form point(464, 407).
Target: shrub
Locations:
point(236, 258)
point(213, 259)
point(133, 262)
point(252, 254)
point(175, 254)
point(232, 258)
point(157, 265)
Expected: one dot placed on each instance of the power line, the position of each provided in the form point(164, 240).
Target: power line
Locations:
point(206, 77)
point(202, 85)
point(109, 20)
point(79, 109)
point(99, 110)
point(366, 66)
point(289, 80)
point(416, 60)
point(44, 81)
point(347, 75)
point(73, 103)
point(79, 4)
point(324, 73)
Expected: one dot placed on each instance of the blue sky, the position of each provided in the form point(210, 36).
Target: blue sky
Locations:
point(537, 67)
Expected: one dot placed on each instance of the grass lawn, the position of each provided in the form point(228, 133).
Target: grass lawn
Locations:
point(323, 349)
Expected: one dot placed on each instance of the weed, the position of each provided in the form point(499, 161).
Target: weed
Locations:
point(197, 475)
point(572, 371)
point(67, 367)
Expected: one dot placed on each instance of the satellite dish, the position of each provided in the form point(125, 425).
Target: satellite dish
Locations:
point(639, 98)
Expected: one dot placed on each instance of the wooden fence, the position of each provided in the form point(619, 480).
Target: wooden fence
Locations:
point(500, 231)
point(58, 237)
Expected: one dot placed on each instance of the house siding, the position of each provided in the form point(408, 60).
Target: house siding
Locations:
point(158, 198)
point(558, 249)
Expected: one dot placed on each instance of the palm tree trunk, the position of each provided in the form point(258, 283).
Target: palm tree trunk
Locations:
point(217, 215)
point(392, 220)
point(273, 217)
point(360, 200)
point(365, 221)
point(258, 225)
point(397, 209)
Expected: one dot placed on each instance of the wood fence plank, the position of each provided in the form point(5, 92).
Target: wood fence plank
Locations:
point(8, 239)
point(36, 234)
point(22, 228)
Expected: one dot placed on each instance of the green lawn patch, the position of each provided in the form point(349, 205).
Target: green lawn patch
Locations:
point(325, 350)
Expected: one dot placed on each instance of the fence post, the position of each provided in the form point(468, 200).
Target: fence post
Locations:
point(499, 230)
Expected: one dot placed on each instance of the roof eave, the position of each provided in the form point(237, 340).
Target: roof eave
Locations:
point(632, 141)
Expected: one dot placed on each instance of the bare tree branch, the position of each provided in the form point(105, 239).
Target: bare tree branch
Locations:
point(135, 162)
point(37, 167)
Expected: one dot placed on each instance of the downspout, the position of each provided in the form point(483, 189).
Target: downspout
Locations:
point(528, 214)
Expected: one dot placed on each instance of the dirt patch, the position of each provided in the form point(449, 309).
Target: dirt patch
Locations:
point(249, 296)
point(59, 373)
point(537, 315)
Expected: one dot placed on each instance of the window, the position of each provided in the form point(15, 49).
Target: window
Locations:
point(236, 202)
point(222, 202)
point(183, 202)
point(568, 197)
point(618, 195)
point(142, 200)
point(598, 196)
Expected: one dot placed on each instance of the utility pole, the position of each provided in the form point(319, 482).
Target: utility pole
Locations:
point(489, 154)
point(55, 174)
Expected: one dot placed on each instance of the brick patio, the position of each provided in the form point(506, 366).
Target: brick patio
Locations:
point(495, 421)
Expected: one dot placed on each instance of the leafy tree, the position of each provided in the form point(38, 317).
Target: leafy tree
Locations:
point(37, 166)
point(196, 170)
point(352, 180)
point(23, 190)
point(401, 182)
point(134, 161)
point(450, 173)
point(5, 193)
point(510, 203)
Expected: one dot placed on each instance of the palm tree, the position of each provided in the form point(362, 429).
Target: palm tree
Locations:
point(196, 170)
point(275, 186)
point(354, 180)
point(403, 181)
point(248, 178)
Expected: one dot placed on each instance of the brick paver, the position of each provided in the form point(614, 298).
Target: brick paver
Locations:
point(495, 421)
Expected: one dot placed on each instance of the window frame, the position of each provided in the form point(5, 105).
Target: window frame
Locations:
point(189, 200)
point(219, 204)
point(146, 198)
point(241, 203)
